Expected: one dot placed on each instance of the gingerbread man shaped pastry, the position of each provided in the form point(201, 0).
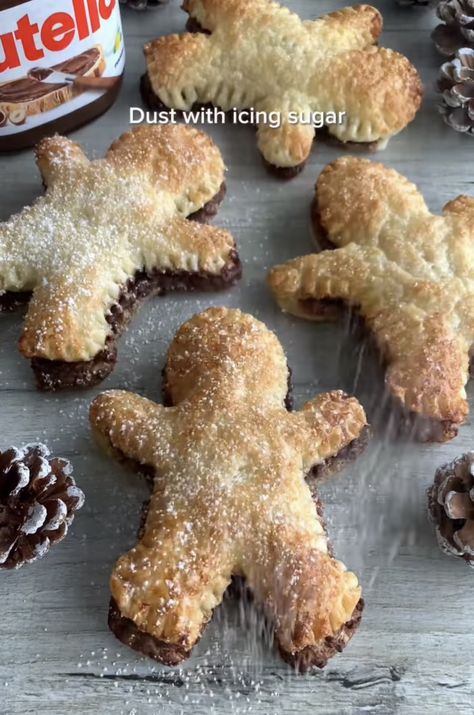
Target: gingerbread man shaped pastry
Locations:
point(407, 272)
point(106, 234)
point(229, 495)
point(257, 54)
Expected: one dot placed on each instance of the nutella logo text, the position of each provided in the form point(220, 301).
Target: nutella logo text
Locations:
point(56, 33)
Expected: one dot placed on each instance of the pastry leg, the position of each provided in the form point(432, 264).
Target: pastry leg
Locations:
point(378, 89)
point(287, 145)
point(308, 595)
point(57, 328)
point(166, 587)
point(195, 256)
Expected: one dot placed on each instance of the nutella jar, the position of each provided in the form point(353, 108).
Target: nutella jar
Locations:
point(61, 65)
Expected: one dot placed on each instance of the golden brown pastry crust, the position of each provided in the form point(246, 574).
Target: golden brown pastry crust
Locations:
point(407, 272)
point(229, 495)
point(101, 221)
point(261, 55)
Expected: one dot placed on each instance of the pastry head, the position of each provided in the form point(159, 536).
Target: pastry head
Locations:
point(235, 360)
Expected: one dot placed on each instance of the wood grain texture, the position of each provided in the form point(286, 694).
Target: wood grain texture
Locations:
point(409, 656)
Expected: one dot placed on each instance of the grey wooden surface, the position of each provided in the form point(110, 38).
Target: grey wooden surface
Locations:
point(412, 652)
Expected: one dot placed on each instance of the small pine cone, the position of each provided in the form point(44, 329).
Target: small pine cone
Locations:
point(451, 507)
point(38, 499)
point(456, 84)
point(458, 28)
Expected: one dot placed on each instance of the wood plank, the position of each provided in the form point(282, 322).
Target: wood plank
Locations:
point(56, 654)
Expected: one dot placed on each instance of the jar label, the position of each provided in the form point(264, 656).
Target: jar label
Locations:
point(55, 61)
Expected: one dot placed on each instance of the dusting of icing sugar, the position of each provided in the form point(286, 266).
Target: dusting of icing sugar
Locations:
point(98, 223)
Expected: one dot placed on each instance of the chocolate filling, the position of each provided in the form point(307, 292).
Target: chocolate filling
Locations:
point(284, 172)
point(127, 632)
point(173, 653)
point(405, 423)
point(193, 25)
point(345, 456)
point(351, 146)
point(11, 301)
point(59, 375)
point(210, 209)
point(52, 375)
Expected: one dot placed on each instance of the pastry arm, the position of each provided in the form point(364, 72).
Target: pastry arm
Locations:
point(16, 270)
point(132, 426)
point(289, 144)
point(357, 198)
point(354, 27)
point(56, 156)
point(462, 206)
point(330, 422)
point(183, 245)
point(175, 65)
point(344, 274)
point(179, 160)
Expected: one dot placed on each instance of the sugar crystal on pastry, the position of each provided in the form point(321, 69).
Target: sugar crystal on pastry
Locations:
point(228, 463)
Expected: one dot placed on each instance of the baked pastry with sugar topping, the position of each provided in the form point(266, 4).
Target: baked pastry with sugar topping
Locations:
point(408, 273)
point(104, 236)
point(257, 54)
point(228, 465)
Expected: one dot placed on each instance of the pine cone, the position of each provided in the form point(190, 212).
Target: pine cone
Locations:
point(458, 30)
point(451, 506)
point(38, 499)
point(456, 84)
point(142, 4)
